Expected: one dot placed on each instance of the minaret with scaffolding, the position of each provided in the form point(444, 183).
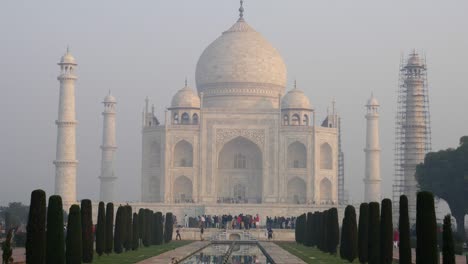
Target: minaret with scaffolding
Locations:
point(412, 128)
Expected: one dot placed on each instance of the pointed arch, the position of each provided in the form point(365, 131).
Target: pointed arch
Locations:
point(183, 154)
point(297, 155)
point(195, 119)
point(326, 194)
point(240, 163)
point(185, 119)
point(295, 120)
point(183, 189)
point(326, 157)
point(297, 191)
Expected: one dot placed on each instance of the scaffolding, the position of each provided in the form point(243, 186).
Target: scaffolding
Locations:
point(412, 127)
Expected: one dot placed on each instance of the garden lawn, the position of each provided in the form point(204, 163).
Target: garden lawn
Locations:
point(311, 254)
point(141, 254)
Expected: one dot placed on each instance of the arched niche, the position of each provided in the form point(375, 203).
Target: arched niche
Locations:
point(326, 190)
point(326, 157)
point(155, 154)
point(183, 189)
point(240, 163)
point(297, 155)
point(297, 191)
point(183, 154)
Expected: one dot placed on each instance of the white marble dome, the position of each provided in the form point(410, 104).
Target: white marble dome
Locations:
point(295, 99)
point(109, 99)
point(239, 60)
point(186, 98)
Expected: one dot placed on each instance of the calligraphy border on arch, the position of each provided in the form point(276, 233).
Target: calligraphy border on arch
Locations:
point(224, 135)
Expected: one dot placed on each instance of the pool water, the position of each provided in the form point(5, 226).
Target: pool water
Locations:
point(239, 254)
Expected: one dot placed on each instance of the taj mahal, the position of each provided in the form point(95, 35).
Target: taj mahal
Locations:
point(240, 136)
point(240, 142)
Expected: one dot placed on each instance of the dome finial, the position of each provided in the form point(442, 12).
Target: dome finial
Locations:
point(185, 81)
point(241, 9)
point(295, 84)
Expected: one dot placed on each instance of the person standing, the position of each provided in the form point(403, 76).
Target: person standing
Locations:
point(178, 234)
point(201, 232)
point(186, 221)
point(270, 233)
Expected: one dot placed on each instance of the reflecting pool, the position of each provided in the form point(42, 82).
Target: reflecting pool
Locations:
point(236, 254)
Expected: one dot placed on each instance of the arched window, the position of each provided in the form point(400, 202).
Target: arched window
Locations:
point(286, 120)
point(326, 157)
point(185, 119)
point(325, 190)
point(295, 120)
point(306, 120)
point(239, 191)
point(176, 118)
point(195, 119)
point(239, 161)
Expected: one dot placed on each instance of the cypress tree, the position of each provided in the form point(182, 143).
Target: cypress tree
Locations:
point(363, 233)
point(73, 251)
point(168, 228)
point(313, 234)
point(426, 228)
point(55, 247)
point(159, 227)
point(151, 227)
point(374, 233)
point(135, 233)
point(448, 248)
point(308, 230)
point(297, 229)
point(324, 231)
point(109, 228)
point(87, 231)
point(404, 247)
point(36, 234)
point(316, 228)
point(386, 233)
point(348, 245)
point(141, 225)
point(101, 230)
point(333, 236)
point(118, 231)
point(128, 228)
point(145, 239)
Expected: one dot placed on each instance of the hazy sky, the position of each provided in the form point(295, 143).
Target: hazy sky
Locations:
point(341, 49)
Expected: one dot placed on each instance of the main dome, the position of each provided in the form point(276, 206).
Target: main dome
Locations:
point(241, 62)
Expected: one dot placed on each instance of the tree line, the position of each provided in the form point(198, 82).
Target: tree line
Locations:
point(371, 239)
point(47, 242)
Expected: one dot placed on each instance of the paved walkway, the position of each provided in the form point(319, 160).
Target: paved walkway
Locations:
point(179, 253)
point(459, 259)
point(279, 255)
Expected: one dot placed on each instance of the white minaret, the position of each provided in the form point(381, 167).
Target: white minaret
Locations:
point(107, 190)
point(65, 161)
point(372, 179)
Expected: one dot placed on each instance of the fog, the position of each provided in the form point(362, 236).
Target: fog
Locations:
point(335, 49)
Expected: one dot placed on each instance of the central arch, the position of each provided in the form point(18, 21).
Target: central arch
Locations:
point(240, 168)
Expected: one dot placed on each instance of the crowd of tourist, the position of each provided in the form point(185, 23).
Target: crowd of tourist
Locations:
point(241, 221)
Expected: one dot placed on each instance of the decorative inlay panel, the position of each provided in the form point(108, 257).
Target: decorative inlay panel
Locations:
point(224, 135)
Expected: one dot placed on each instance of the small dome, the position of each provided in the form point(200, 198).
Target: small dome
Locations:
point(67, 58)
point(109, 99)
point(295, 99)
point(186, 98)
point(372, 101)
